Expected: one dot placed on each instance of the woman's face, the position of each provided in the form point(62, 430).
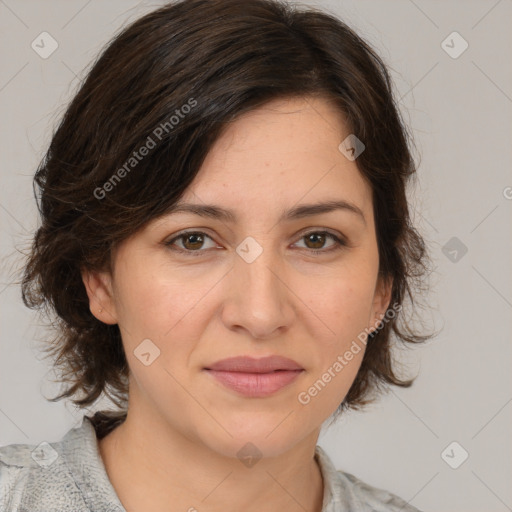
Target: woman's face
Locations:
point(264, 281)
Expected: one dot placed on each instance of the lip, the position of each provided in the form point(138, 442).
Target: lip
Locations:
point(248, 364)
point(255, 377)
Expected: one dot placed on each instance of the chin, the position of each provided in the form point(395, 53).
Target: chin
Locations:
point(257, 434)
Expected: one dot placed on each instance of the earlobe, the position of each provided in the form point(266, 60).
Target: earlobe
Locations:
point(386, 290)
point(381, 300)
point(101, 298)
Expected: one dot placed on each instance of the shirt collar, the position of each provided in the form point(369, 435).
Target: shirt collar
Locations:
point(80, 452)
point(331, 478)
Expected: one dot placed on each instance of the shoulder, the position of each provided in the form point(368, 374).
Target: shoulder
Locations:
point(345, 492)
point(374, 498)
point(56, 476)
point(35, 475)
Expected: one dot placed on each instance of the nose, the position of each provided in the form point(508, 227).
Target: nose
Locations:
point(260, 300)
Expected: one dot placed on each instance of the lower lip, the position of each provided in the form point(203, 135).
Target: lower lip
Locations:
point(256, 385)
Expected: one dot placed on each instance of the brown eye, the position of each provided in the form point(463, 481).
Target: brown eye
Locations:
point(191, 241)
point(315, 242)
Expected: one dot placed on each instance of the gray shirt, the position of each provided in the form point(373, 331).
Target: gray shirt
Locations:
point(69, 476)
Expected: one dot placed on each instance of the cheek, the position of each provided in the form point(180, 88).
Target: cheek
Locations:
point(343, 303)
point(328, 386)
point(170, 309)
point(344, 307)
point(153, 300)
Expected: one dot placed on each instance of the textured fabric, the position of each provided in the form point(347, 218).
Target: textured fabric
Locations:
point(69, 476)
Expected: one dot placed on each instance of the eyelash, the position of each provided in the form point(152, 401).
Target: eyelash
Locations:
point(340, 243)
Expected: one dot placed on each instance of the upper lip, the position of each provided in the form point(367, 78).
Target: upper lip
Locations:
point(245, 364)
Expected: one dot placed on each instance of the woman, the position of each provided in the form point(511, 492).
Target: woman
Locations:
point(226, 246)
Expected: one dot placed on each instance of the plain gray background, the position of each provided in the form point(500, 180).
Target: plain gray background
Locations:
point(459, 110)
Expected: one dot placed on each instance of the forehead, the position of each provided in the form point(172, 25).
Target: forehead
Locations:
point(278, 155)
point(273, 166)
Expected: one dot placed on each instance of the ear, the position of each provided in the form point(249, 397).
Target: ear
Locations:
point(101, 297)
point(381, 300)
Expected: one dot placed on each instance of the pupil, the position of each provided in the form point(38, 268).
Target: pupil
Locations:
point(318, 236)
point(196, 239)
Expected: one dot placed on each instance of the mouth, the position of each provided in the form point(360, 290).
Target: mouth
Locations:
point(255, 378)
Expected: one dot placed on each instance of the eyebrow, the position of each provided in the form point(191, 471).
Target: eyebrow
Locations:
point(297, 212)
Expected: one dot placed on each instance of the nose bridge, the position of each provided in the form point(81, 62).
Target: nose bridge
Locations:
point(258, 269)
point(259, 299)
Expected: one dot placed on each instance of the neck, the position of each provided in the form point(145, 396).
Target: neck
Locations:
point(155, 468)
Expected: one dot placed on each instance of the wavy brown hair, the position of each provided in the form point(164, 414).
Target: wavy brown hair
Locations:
point(226, 58)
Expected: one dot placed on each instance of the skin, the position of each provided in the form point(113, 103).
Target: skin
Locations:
point(184, 429)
